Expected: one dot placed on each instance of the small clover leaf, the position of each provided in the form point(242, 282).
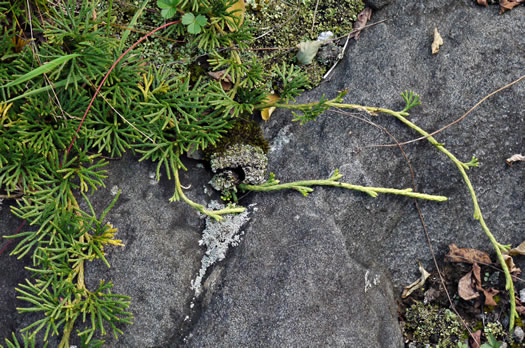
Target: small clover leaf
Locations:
point(169, 7)
point(188, 18)
point(194, 24)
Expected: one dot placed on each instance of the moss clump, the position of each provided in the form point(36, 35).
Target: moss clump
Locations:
point(291, 22)
point(238, 164)
point(243, 131)
point(430, 324)
point(495, 329)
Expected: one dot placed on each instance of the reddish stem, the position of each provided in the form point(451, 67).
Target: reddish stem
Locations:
point(104, 80)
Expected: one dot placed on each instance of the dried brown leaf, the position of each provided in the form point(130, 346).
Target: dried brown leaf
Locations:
point(508, 4)
point(475, 339)
point(467, 287)
point(510, 264)
point(515, 158)
point(489, 296)
point(417, 284)
point(438, 41)
point(482, 3)
point(226, 81)
point(466, 255)
point(519, 250)
point(219, 75)
point(476, 272)
point(476, 283)
point(362, 18)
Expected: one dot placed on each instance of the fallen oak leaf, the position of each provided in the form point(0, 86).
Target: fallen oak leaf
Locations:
point(267, 112)
point(519, 250)
point(438, 41)
point(466, 255)
point(417, 284)
point(515, 158)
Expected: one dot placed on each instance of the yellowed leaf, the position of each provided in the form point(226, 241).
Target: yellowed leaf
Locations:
point(438, 41)
point(267, 112)
point(240, 9)
point(417, 284)
point(519, 250)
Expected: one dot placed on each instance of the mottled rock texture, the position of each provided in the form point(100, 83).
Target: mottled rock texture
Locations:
point(325, 270)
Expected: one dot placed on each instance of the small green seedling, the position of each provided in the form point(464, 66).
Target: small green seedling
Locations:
point(491, 342)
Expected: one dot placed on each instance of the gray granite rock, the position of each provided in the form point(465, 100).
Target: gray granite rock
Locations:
point(300, 276)
point(325, 270)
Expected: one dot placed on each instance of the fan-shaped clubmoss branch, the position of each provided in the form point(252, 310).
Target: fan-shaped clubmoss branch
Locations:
point(304, 186)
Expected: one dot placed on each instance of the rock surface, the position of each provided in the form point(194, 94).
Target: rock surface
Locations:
point(325, 270)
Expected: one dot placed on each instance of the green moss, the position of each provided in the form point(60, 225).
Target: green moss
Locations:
point(431, 324)
point(292, 23)
point(243, 131)
point(496, 330)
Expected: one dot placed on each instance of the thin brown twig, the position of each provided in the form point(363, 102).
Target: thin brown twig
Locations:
point(145, 32)
point(456, 121)
point(420, 214)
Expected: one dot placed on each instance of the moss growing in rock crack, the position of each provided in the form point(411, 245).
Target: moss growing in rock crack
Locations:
point(239, 163)
point(243, 131)
point(431, 324)
point(292, 23)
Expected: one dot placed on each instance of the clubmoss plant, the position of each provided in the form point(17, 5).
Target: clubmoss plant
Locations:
point(310, 111)
point(70, 99)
